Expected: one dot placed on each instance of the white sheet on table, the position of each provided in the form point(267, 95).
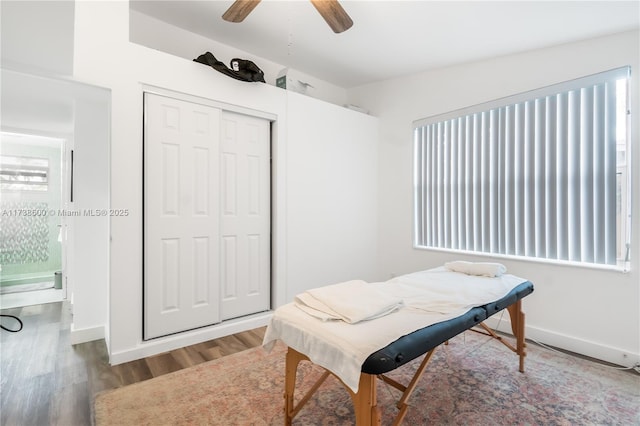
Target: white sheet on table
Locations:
point(349, 301)
point(429, 297)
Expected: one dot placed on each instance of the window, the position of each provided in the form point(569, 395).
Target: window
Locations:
point(24, 173)
point(541, 175)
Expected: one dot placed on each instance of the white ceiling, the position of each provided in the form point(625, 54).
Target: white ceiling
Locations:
point(395, 38)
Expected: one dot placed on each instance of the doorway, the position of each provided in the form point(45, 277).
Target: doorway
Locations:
point(78, 114)
point(31, 246)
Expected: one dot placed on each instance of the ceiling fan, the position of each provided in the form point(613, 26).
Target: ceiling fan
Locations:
point(331, 11)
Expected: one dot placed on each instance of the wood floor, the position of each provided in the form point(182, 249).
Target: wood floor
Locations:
point(46, 381)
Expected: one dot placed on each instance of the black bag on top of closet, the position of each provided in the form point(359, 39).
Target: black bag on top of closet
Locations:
point(241, 69)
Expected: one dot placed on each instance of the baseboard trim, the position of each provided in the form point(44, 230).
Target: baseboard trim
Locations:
point(85, 335)
point(569, 343)
point(153, 347)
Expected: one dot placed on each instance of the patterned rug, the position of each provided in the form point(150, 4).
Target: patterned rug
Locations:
point(472, 381)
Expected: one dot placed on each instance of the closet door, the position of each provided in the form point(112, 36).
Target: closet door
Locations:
point(245, 215)
point(181, 216)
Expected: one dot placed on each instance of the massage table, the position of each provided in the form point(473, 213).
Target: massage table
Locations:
point(317, 341)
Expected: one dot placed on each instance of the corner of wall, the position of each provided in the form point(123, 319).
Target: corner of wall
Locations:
point(85, 335)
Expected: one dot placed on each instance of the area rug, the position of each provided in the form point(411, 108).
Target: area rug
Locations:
point(472, 381)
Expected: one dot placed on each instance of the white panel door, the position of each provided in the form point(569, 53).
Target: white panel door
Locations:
point(181, 216)
point(245, 240)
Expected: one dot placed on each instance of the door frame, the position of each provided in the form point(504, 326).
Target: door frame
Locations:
point(147, 88)
point(272, 118)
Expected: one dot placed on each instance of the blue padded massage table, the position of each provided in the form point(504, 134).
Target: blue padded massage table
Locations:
point(407, 348)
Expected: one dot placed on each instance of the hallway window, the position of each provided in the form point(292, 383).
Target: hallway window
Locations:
point(24, 173)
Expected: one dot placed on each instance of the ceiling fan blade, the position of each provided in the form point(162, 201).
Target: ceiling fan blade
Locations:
point(334, 14)
point(239, 10)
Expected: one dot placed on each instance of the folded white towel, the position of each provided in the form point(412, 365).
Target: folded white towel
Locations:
point(350, 301)
point(483, 269)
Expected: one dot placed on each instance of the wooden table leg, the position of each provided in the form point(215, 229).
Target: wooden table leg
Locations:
point(517, 326)
point(292, 360)
point(365, 401)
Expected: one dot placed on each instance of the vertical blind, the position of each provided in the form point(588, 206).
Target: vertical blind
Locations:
point(532, 175)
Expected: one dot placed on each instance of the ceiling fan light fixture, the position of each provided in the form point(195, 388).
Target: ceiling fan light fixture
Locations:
point(334, 14)
point(330, 10)
point(239, 10)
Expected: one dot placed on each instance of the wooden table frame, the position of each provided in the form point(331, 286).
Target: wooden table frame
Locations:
point(364, 401)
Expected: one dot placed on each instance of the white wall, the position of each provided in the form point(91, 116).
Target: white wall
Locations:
point(105, 56)
point(44, 30)
point(332, 194)
point(36, 103)
point(594, 312)
point(90, 232)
